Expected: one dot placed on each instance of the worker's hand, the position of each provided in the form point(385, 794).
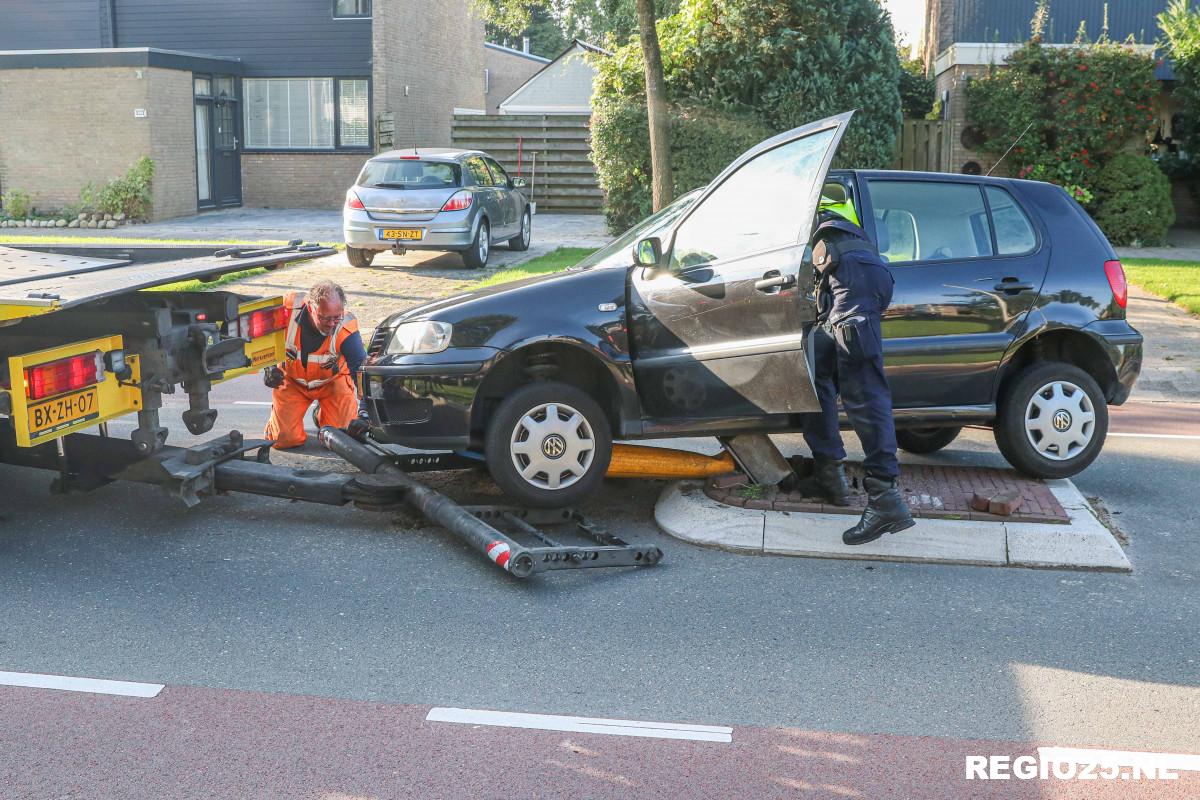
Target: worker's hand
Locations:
point(358, 428)
point(272, 377)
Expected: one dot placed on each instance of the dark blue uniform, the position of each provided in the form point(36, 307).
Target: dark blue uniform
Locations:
point(848, 355)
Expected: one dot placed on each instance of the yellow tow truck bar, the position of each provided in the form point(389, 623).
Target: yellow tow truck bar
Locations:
point(84, 340)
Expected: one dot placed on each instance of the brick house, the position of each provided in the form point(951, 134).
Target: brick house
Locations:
point(964, 38)
point(505, 70)
point(275, 103)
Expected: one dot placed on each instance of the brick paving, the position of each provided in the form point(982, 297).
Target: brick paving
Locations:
point(932, 492)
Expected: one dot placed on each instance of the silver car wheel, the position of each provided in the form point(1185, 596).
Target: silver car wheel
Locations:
point(526, 229)
point(1060, 421)
point(484, 236)
point(552, 446)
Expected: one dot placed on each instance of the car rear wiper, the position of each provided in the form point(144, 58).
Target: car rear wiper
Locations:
point(386, 185)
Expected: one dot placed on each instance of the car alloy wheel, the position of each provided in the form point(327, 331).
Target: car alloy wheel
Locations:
point(552, 446)
point(484, 244)
point(526, 229)
point(1060, 420)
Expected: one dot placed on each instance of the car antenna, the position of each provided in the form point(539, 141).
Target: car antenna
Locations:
point(1010, 147)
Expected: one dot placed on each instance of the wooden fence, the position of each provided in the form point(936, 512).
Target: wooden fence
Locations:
point(922, 145)
point(559, 143)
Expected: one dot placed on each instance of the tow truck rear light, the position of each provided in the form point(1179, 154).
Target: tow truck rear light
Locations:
point(458, 201)
point(1116, 279)
point(261, 322)
point(64, 375)
point(352, 201)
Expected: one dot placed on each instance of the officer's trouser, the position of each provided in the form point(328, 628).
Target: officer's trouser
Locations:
point(337, 406)
point(850, 363)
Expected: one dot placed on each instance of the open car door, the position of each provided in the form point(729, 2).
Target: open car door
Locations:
point(718, 325)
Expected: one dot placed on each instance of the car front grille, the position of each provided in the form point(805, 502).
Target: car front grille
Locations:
point(379, 340)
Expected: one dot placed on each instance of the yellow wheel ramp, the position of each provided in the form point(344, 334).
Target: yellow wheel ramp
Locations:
point(639, 461)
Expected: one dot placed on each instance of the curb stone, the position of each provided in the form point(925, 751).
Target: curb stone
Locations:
point(685, 512)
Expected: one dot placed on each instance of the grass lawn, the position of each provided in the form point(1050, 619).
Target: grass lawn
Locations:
point(199, 286)
point(557, 261)
point(1177, 281)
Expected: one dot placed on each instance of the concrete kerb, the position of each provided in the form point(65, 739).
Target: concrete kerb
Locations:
point(685, 512)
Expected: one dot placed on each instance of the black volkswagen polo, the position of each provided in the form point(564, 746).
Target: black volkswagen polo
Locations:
point(1009, 311)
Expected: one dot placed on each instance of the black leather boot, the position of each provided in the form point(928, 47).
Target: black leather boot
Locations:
point(828, 481)
point(886, 512)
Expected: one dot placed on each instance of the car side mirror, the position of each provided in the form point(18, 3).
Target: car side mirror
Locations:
point(648, 253)
point(518, 183)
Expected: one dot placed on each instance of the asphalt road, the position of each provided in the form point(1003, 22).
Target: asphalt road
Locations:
point(287, 603)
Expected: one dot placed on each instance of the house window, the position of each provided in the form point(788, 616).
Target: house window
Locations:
point(354, 121)
point(307, 113)
point(351, 9)
point(289, 113)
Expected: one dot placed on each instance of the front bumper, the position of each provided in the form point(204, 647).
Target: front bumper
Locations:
point(453, 230)
point(425, 402)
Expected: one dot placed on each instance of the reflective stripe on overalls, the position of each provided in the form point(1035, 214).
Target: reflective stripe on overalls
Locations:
point(323, 364)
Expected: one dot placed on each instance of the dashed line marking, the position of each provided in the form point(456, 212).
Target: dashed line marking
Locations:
point(66, 683)
point(1156, 436)
point(609, 727)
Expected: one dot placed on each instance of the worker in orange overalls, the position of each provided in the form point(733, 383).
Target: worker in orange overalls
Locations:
point(324, 351)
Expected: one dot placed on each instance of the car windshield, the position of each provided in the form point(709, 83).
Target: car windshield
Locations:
point(407, 173)
point(617, 253)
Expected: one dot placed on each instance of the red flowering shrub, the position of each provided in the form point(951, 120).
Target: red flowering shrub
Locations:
point(1086, 102)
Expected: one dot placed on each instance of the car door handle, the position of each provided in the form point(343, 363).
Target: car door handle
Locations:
point(773, 281)
point(1013, 286)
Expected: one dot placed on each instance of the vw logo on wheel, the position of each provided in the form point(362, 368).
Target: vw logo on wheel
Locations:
point(1062, 420)
point(553, 446)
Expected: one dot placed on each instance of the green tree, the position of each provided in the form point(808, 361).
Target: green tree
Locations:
point(545, 33)
point(516, 15)
point(1181, 24)
point(916, 89)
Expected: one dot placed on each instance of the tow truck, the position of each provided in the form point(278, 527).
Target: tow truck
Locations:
point(85, 340)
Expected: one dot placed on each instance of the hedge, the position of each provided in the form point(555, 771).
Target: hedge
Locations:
point(1133, 201)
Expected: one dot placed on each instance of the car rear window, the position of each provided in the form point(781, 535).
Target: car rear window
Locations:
point(930, 220)
point(410, 174)
point(1014, 232)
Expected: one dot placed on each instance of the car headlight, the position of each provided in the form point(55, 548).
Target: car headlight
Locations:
point(426, 336)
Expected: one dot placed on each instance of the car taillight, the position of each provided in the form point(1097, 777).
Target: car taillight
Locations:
point(458, 201)
point(1116, 279)
point(352, 201)
point(64, 375)
point(261, 322)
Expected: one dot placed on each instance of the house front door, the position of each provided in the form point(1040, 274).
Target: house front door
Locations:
point(218, 163)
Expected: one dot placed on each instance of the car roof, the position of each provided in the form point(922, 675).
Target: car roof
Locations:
point(429, 153)
point(914, 175)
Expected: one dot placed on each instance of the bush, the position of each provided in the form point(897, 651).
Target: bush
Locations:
point(703, 142)
point(1085, 104)
point(754, 65)
point(128, 195)
point(1133, 201)
point(917, 91)
point(18, 204)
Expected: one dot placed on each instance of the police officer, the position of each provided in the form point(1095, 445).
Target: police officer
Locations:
point(854, 288)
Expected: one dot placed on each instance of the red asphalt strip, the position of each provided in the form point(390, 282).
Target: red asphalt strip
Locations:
point(1157, 418)
point(212, 743)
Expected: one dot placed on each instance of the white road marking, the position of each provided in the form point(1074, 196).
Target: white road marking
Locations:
point(1120, 758)
point(611, 727)
point(1156, 436)
point(68, 684)
point(252, 402)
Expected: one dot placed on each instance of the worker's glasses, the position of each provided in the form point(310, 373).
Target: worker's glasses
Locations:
point(324, 320)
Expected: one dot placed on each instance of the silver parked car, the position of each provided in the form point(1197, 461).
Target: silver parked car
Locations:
point(435, 199)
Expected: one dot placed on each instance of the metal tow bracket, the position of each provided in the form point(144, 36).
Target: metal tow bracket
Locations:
point(473, 524)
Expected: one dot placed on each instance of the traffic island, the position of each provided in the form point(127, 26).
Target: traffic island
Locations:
point(979, 516)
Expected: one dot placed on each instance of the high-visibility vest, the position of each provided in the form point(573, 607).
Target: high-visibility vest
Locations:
point(323, 364)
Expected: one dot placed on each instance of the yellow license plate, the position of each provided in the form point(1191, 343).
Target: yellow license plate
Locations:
point(401, 233)
point(57, 413)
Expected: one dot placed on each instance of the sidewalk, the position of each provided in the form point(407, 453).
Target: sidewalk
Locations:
point(314, 225)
